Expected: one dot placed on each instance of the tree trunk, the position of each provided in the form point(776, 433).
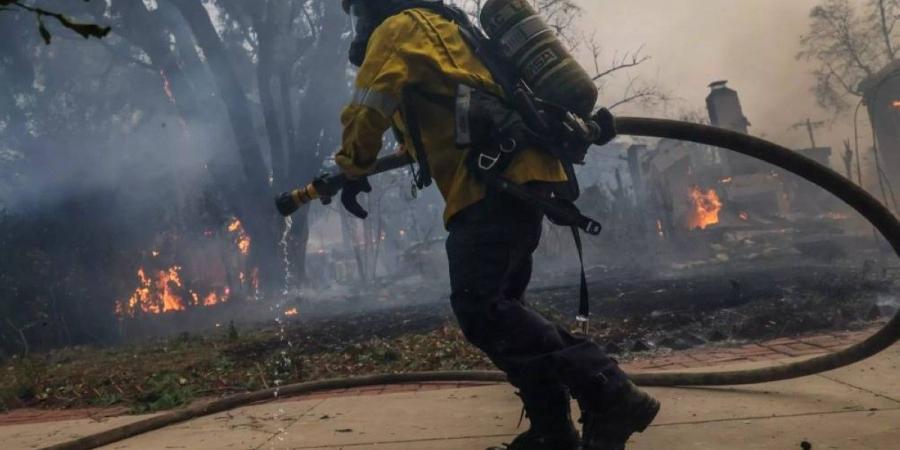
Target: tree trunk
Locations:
point(259, 217)
point(265, 19)
point(319, 130)
point(886, 29)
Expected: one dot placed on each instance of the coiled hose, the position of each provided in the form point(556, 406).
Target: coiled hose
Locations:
point(853, 195)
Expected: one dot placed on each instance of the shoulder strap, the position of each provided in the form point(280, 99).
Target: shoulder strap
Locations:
point(411, 118)
point(477, 40)
point(583, 318)
point(483, 48)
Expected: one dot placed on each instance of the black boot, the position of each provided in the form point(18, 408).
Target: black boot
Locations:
point(609, 428)
point(548, 410)
point(532, 440)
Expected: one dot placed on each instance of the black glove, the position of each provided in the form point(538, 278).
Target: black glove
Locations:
point(607, 123)
point(351, 189)
point(327, 186)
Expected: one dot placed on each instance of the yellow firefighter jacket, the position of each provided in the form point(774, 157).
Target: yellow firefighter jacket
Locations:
point(420, 48)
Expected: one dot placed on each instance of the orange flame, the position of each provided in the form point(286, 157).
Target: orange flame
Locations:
point(243, 239)
point(212, 299)
point(706, 208)
point(154, 296)
point(292, 312)
point(167, 281)
point(896, 104)
point(167, 86)
point(163, 294)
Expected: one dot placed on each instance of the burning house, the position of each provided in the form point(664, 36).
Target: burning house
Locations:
point(694, 187)
point(693, 190)
point(682, 200)
point(881, 94)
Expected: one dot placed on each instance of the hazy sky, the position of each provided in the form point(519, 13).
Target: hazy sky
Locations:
point(751, 43)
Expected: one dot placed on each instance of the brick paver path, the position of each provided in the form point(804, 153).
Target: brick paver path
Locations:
point(781, 348)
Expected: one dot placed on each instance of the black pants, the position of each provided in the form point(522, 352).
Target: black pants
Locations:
point(490, 252)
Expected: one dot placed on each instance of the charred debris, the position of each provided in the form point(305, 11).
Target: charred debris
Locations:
point(708, 246)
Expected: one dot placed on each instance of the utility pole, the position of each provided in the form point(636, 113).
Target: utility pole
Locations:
point(810, 129)
point(848, 159)
point(882, 177)
point(812, 136)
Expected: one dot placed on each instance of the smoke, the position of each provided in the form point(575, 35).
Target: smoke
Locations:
point(103, 148)
point(76, 143)
point(98, 175)
point(752, 44)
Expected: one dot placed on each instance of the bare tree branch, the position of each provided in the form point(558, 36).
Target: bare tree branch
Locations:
point(85, 30)
point(638, 91)
point(886, 25)
point(562, 17)
point(627, 61)
point(847, 86)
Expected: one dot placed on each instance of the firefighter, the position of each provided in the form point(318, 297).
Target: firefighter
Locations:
point(399, 45)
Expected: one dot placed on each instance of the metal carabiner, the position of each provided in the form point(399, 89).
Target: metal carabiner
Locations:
point(487, 162)
point(509, 145)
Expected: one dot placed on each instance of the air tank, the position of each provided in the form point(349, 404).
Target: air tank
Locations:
point(524, 39)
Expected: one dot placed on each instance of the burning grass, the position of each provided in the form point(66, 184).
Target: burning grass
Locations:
point(169, 287)
point(632, 313)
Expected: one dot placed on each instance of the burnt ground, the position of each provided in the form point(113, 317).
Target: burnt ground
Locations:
point(633, 311)
point(746, 304)
point(649, 311)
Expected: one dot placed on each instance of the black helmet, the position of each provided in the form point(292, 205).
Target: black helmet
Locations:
point(367, 15)
point(346, 3)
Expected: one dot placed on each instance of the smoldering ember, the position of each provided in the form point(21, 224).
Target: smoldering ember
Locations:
point(148, 146)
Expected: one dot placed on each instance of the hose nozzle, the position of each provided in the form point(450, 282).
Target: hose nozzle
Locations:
point(289, 202)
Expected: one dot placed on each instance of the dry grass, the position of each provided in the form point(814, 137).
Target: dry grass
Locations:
point(169, 373)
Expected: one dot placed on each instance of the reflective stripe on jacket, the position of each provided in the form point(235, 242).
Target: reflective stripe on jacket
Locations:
point(422, 49)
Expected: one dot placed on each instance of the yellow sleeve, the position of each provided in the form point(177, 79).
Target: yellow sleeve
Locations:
point(378, 92)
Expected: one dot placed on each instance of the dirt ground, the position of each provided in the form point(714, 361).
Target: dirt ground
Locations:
point(633, 315)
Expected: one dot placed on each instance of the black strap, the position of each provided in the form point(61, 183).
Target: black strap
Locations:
point(561, 214)
point(423, 177)
point(584, 301)
point(444, 101)
point(558, 211)
point(481, 46)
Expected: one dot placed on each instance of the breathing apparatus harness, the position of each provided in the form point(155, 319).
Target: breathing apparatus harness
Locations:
point(493, 129)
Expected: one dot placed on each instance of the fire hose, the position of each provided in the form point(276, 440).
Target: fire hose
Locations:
point(860, 200)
